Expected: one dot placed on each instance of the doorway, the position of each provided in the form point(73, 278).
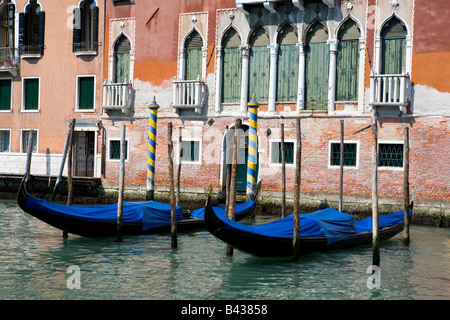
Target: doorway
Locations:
point(241, 184)
point(84, 153)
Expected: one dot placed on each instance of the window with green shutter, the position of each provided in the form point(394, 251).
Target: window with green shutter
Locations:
point(193, 61)
point(393, 58)
point(114, 150)
point(231, 67)
point(259, 59)
point(31, 94)
point(287, 65)
point(86, 91)
point(350, 154)
point(317, 64)
point(347, 62)
point(5, 94)
point(122, 60)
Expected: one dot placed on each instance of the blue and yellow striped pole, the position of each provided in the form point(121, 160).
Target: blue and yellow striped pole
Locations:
point(151, 149)
point(252, 147)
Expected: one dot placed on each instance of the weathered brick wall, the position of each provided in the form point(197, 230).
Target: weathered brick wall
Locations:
point(429, 154)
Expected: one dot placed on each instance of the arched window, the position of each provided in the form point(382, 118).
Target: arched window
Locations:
point(287, 73)
point(231, 67)
point(122, 60)
point(193, 47)
point(85, 27)
point(7, 10)
point(259, 59)
point(347, 62)
point(32, 29)
point(393, 47)
point(317, 62)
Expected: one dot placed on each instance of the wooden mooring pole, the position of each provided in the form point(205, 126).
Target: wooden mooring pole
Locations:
point(283, 174)
point(341, 167)
point(121, 185)
point(406, 201)
point(375, 237)
point(233, 181)
point(296, 239)
point(29, 155)
point(173, 213)
point(180, 155)
point(69, 163)
point(61, 168)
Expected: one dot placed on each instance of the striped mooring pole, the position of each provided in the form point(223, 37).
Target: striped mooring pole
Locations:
point(151, 149)
point(252, 147)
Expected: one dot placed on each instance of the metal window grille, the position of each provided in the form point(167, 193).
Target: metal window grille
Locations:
point(390, 155)
point(288, 150)
point(349, 154)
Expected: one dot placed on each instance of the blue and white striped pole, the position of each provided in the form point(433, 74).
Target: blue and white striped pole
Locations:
point(151, 149)
point(252, 147)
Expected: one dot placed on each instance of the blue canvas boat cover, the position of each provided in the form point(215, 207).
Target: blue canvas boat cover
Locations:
point(151, 214)
point(329, 223)
point(220, 210)
point(383, 221)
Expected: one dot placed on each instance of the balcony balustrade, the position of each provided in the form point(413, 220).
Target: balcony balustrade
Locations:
point(188, 94)
point(9, 60)
point(117, 96)
point(391, 90)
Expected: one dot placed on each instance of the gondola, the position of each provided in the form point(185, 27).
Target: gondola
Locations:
point(323, 230)
point(140, 217)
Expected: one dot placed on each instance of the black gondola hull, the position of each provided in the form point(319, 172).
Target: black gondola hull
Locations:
point(264, 246)
point(94, 229)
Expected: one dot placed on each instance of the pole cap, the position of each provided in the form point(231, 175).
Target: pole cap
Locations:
point(253, 103)
point(153, 104)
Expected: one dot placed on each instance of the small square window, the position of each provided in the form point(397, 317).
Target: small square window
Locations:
point(25, 139)
point(275, 152)
point(350, 154)
point(190, 151)
point(114, 150)
point(31, 94)
point(5, 138)
point(390, 155)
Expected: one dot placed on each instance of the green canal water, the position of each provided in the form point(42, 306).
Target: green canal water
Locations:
point(36, 263)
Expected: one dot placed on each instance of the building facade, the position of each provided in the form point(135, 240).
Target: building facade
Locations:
point(51, 72)
point(325, 61)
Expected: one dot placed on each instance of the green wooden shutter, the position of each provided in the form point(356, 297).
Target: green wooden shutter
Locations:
point(231, 68)
point(122, 60)
point(193, 60)
point(5, 94)
point(259, 66)
point(393, 44)
point(287, 73)
point(316, 89)
point(259, 73)
point(95, 29)
point(86, 93)
point(317, 64)
point(347, 71)
point(393, 55)
point(31, 94)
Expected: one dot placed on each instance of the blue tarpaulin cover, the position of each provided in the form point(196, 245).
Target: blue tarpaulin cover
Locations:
point(151, 214)
point(329, 223)
point(220, 210)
